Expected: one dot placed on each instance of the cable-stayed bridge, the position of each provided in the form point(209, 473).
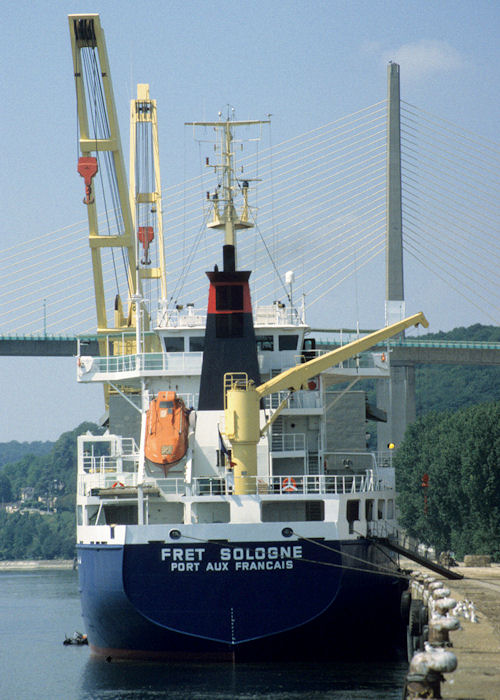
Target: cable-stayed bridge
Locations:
point(320, 209)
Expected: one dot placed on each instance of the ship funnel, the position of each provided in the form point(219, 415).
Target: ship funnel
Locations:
point(229, 258)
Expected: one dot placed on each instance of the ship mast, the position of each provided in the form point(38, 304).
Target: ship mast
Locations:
point(228, 220)
point(230, 344)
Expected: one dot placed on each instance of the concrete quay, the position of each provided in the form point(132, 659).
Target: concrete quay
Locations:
point(477, 644)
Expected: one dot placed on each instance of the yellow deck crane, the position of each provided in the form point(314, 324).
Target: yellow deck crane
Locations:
point(102, 163)
point(242, 399)
point(145, 185)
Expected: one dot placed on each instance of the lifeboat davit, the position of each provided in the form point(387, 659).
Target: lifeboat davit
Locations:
point(167, 427)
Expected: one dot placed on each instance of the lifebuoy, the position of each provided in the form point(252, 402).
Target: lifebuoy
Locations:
point(289, 484)
point(118, 483)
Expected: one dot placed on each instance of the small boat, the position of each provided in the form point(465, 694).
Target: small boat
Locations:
point(78, 639)
point(167, 426)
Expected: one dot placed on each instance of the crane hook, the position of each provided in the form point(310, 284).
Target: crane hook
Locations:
point(145, 235)
point(87, 168)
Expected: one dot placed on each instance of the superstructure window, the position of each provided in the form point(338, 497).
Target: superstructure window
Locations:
point(308, 349)
point(175, 344)
point(264, 342)
point(369, 509)
point(352, 514)
point(380, 509)
point(229, 297)
point(196, 343)
point(288, 342)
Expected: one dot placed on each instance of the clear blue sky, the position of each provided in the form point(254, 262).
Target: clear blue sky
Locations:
point(306, 62)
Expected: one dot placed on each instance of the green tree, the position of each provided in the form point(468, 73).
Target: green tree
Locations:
point(460, 453)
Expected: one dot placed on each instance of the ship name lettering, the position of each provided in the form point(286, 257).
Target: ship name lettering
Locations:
point(177, 554)
point(184, 566)
point(263, 565)
point(217, 566)
point(261, 553)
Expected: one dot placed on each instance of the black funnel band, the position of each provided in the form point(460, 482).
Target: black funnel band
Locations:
point(228, 258)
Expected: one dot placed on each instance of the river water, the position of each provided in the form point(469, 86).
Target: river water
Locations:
point(38, 608)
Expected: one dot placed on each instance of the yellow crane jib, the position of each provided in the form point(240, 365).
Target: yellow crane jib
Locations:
point(101, 150)
point(242, 398)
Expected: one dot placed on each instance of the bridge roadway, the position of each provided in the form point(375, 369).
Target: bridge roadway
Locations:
point(46, 345)
point(414, 351)
point(430, 352)
point(404, 353)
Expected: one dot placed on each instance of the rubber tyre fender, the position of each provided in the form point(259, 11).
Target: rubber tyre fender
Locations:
point(424, 615)
point(404, 606)
point(415, 617)
point(410, 645)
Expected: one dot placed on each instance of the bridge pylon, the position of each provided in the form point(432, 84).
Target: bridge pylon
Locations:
point(397, 395)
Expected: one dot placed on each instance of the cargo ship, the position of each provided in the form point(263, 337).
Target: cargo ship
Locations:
point(219, 515)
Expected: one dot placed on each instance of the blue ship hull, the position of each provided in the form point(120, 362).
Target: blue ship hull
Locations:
point(305, 599)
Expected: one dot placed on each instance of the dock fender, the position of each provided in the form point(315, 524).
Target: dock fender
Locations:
point(405, 606)
point(415, 618)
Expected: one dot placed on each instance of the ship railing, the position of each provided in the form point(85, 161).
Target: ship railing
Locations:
point(277, 315)
point(107, 454)
point(267, 315)
point(364, 360)
point(384, 458)
point(318, 484)
point(297, 400)
point(292, 484)
point(176, 362)
point(415, 545)
point(106, 464)
point(288, 442)
point(412, 544)
point(212, 486)
point(106, 480)
point(382, 528)
point(187, 317)
point(171, 486)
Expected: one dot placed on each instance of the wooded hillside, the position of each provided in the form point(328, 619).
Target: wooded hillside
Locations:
point(42, 487)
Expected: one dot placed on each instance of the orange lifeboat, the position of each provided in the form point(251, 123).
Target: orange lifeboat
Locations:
point(167, 427)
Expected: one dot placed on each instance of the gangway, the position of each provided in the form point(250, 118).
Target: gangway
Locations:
point(415, 556)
